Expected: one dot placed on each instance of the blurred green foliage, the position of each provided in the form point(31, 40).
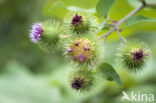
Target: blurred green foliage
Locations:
point(28, 75)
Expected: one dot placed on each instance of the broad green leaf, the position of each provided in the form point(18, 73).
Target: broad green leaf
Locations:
point(106, 28)
point(103, 7)
point(108, 72)
point(57, 9)
point(85, 4)
point(139, 18)
point(123, 7)
point(153, 4)
point(135, 3)
point(120, 9)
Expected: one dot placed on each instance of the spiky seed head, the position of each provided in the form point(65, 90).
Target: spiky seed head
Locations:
point(79, 24)
point(81, 79)
point(133, 55)
point(46, 35)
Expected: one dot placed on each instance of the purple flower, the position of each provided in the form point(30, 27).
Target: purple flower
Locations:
point(70, 50)
point(138, 55)
point(86, 60)
point(36, 32)
point(77, 20)
point(77, 44)
point(86, 48)
point(73, 57)
point(77, 83)
point(81, 58)
point(147, 55)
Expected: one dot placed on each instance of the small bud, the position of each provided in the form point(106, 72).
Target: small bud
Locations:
point(80, 24)
point(46, 35)
point(133, 55)
point(81, 79)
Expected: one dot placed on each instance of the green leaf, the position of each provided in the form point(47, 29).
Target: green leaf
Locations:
point(152, 4)
point(139, 18)
point(85, 4)
point(103, 7)
point(106, 28)
point(123, 7)
point(108, 72)
point(135, 3)
point(56, 9)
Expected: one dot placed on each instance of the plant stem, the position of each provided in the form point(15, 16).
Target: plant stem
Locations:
point(121, 38)
point(117, 25)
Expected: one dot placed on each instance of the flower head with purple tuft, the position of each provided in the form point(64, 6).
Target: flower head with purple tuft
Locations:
point(81, 50)
point(36, 32)
point(77, 20)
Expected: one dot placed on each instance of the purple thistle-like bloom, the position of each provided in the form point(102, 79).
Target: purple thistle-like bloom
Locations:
point(85, 60)
point(138, 55)
point(77, 44)
point(81, 58)
point(77, 83)
point(77, 20)
point(73, 57)
point(36, 32)
point(86, 48)
point(70, 50)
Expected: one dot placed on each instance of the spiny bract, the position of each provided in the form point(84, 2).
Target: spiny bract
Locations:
point(46, 35)
point(81, 79)
point(133, 54)
point(79, 24)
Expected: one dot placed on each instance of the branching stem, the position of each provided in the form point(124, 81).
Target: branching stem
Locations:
point(121, 38)
point(117, 25)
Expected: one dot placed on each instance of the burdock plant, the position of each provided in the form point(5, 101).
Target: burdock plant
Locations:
point(80, 35)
